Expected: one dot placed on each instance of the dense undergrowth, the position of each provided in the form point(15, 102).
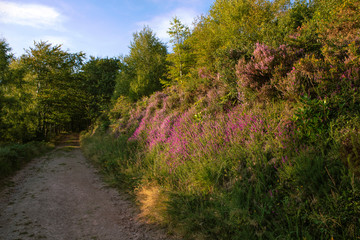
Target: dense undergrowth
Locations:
point(14, 156)
point(258, 143)
point(241, 174)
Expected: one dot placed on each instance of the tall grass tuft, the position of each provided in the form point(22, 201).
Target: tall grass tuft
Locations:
point(14, 156)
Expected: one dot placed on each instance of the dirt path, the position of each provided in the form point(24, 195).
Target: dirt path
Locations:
point(60, 196)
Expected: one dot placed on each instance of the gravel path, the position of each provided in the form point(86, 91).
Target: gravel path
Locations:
point(60, 196)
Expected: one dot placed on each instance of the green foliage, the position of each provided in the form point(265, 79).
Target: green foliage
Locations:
point(298, 27)
point(312, 120)
point(280, 160)
point(232, 28)
point(44, 94)
point(255, 137)
point(123, 80)
point(14, 156)
point(230, 32)
point(120, 113)
point(298, 13)
point(58, 90)
point(143, 68)
point(112, 156)
point(99, 79)
point(5, 59)
point(345, 133)
point(182, 58)
point(266, 74)
point(19, 109)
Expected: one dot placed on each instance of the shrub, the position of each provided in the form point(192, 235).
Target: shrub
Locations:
point(266, 68)
point(14, 156)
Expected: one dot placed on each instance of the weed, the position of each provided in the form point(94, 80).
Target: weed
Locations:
point(14, 156)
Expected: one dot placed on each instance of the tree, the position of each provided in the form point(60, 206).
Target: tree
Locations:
point(145, 65)
point(230, 32)
point(181, 58)
point(19, 111)
point(99, 78)
point(59, 93)
point(5, 59)
point(123, 79)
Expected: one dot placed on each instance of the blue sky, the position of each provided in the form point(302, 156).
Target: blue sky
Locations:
point(101, 28)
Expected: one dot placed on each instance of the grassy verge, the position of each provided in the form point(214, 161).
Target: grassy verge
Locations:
point(265, 146)
point(14, 156)
point(112, 156)
point(241, 174)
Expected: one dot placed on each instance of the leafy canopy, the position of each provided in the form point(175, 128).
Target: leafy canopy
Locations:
point(144, 67)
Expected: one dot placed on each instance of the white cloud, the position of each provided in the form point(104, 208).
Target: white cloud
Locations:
point(34, 15)
point(161, 24)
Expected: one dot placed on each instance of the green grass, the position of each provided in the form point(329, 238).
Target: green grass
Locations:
point(113, 157)
point(15, 156)
point(238, 192)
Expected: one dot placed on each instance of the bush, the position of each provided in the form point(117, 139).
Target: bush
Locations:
point(14, 156)
point(264, 73)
